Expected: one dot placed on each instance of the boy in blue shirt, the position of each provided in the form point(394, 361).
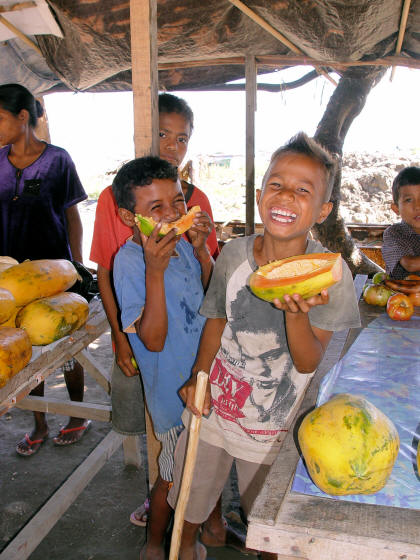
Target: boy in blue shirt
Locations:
point(260, 356)
point(159, 283)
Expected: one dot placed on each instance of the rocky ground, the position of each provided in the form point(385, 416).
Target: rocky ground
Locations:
point(366, 185)
point(365, 190)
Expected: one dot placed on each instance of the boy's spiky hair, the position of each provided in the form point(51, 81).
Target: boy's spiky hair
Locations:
point(169, 103)
point(407, 176)
point(303, 144)
point(139, 173)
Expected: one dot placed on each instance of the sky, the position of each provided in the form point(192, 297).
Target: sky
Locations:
point(97, 129)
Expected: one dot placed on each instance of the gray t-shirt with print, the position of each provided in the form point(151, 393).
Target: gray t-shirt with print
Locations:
point(254, 383)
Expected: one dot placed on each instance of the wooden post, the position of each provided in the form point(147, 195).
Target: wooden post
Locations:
point(144, 70)
point(42, 129)
point(144, 76)
point(251, 107)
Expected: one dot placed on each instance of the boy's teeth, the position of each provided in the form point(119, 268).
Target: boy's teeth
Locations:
point(283, 215)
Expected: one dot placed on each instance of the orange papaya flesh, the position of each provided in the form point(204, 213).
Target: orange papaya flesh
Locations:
point(15, 352)
point(7, 305)
point(147, 224)
point(305, 275)
point(32, 280)
point(49, 319)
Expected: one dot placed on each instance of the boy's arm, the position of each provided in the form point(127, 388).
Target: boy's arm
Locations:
point(152, 327)
point(123, 352)
point(307, 343)
point(411, 264)
point(198, 235)
point(209, 346)
point(207, 264)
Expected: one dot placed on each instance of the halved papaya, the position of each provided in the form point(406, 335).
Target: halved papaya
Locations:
point(147, 224)
point(306, 275)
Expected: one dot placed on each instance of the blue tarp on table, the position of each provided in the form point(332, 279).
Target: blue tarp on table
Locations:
point(383, 366)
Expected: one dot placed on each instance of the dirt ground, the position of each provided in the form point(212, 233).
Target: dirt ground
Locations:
point(96, 526)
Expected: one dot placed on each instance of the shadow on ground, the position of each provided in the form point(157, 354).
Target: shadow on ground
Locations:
point(96, 526)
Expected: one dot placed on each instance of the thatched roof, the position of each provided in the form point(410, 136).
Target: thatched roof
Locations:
point(94, 54)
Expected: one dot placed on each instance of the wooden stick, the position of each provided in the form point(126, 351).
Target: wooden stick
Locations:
point(401, 32)
point(265, 25)
point(19, 34)
point(184, 493)
point(18, 6)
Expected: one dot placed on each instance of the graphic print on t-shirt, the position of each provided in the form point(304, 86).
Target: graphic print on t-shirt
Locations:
point(252, 378)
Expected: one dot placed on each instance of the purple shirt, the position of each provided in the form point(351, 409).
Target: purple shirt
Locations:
point(399, 240)
point(33, 202)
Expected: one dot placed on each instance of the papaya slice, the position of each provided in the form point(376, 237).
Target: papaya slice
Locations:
point(306, 275)
point(147, 224)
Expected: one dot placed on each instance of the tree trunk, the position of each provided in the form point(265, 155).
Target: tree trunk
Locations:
point(345, 104)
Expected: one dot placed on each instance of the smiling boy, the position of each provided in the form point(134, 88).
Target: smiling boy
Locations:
point(256, 352)
point(401, 241)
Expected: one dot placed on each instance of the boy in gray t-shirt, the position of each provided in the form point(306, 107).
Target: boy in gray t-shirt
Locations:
point(260, 356)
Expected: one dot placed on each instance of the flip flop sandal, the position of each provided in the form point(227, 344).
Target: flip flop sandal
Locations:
point(30, 442)
point(143, 511)
point(69, 430)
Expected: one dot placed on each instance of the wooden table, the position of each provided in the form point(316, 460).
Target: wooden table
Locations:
point(298, 526)
point(15, 393)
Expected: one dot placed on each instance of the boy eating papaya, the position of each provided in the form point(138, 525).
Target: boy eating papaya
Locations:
point(260, 355)
point(159, 283)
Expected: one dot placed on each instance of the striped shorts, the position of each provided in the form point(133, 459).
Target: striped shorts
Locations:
point(166, 458)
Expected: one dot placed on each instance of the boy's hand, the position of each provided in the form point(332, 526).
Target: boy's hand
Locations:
point(158, 250)
point(201, 229)
point(187, 394)
point(124, 355)
point(296, 304)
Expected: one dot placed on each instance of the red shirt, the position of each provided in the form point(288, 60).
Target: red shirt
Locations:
point(110, 233)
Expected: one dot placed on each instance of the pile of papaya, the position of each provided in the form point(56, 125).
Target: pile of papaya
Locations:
point(35, 309)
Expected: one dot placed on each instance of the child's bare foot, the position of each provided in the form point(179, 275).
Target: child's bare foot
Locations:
point(149, 552)
point(197, 552)
point(221, 534)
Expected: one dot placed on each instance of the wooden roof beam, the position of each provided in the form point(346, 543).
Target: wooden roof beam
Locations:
point(282, 61)
point(18, 6)
point(265, 25)
point(401, 31)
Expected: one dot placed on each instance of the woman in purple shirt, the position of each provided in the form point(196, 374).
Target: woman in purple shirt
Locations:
point(39, 219)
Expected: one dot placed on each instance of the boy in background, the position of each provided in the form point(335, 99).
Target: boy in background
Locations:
point(260, 356)
point(176, 123)
point(401, 241)
point(159, 283)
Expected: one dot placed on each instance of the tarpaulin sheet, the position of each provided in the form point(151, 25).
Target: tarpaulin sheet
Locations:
point(383, 366)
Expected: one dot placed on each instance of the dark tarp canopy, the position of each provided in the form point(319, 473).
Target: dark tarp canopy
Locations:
point(94, 54)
